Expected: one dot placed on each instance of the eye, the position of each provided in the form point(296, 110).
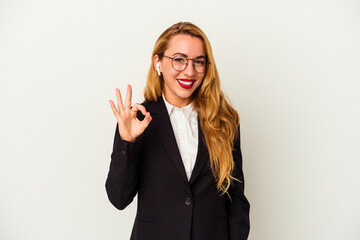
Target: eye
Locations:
point(179, 59)
point(200, 62)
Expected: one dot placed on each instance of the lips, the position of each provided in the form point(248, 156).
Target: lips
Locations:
point(186, 83)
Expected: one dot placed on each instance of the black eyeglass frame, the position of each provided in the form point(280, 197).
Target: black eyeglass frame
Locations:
point(187, 62)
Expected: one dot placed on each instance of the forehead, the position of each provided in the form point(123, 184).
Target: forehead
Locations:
point(186, 44)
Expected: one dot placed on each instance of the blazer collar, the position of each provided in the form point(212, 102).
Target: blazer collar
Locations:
point(162, 126)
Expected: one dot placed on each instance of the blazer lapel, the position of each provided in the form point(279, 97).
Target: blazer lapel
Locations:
point(162, 126)
point(201, 158)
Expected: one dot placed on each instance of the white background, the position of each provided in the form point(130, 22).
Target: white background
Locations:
point(291, 69)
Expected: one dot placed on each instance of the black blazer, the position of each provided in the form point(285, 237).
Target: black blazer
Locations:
point(169, 206)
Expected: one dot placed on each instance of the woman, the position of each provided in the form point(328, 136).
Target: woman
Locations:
point(180, 149)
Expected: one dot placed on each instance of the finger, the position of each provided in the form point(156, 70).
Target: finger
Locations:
point(119, 100)
point(128, 97)
point(139, 107)
point(115, 111)
point(146, 121)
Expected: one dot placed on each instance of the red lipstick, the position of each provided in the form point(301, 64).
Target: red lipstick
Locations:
point(185, 83)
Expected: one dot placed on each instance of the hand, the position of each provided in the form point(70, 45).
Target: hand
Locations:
point(130, 127)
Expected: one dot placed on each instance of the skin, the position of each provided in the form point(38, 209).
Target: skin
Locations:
point(129, 126)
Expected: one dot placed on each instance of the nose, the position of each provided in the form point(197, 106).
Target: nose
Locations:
point(190, 68)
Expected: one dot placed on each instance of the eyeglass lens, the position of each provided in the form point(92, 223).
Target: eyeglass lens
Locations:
point(179, 63)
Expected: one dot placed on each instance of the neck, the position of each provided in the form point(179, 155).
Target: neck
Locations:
point(179, 103)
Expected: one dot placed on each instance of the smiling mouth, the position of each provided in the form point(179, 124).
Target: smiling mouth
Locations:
point(186, 83)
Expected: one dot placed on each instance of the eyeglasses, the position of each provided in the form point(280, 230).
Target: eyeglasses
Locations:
point(179, 63)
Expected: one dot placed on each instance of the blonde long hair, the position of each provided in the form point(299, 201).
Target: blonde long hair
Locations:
point(218, 119)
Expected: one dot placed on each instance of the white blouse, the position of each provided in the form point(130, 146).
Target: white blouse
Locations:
point(185, 126)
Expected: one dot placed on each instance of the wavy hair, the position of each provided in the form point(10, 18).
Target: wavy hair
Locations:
point(218, 119)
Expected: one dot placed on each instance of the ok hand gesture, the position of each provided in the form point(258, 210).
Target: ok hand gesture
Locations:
point(130, 127)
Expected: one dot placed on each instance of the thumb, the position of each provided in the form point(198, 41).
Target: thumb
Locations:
point(145, 122)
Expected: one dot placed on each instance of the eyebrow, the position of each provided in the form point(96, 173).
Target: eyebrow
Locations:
point(183, 54)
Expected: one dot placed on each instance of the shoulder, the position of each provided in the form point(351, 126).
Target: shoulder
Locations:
point(149, 106)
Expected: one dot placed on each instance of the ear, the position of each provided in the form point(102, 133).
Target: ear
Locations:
point(155, 61)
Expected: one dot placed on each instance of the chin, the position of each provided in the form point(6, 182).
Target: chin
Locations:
point(186, 95)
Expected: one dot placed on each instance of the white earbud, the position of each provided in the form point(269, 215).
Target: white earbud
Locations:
point(158, 68)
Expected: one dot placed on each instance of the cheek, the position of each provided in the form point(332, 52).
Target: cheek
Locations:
point(169, 72)
point(200, 81)
point(170, 78)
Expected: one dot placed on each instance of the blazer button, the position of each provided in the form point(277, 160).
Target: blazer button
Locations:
point(187, 201)
point(123, 152)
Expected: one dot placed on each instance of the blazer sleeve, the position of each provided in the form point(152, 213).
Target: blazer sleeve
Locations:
point(121, 182)
point(238, 205)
